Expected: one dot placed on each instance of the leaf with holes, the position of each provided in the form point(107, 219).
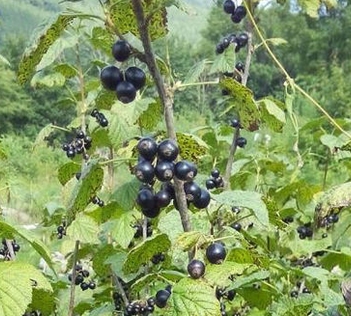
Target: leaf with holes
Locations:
point(191, 147)
point(144, 251)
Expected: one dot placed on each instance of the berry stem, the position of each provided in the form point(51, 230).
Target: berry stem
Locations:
point(120, 289)
point(73, 282)
point(166, 97)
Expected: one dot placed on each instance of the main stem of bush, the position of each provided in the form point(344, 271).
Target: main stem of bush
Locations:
point(166, 101)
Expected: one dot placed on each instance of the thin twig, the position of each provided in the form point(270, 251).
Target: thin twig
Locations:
point(167, 103)
point(73, 282)
point(120, 289)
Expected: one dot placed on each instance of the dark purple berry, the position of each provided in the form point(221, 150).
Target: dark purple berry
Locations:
point(219, 48)
point(242, 39)
point(152, 212)
point(237, 226)
point(231, 294)
point(239, 66)
point(126, 92)
point(241, 142)
point(146, 199)
point(196, 269)
point(164, 170)
point(92, 285)
point(167, 150)
point(85, 273)
point(215, 173)
point(84, 286)
point(185, 170)
point(110, 77)
point(216, 253)
point(144, 171)
point(192, 191)
point(203, 201)
point(210, 184)
point(162, 298)
point(229, 6)
point(162, 198)
point(121, 50)
point(79, 279)
point(147, 148)
point(135, 76)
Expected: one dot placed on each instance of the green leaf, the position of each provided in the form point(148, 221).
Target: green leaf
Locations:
point(102, 39)
point(67, 171)
point(17, 281)
point(105, 99)
point(245, 280)
point(272, 114)
point(223, 62)
point(240, 255)
point(144, 251)
point(116, 262)
point(292, 306)
point(192, 297)
point(44, 301)
point(187, 240)
point(4, 60)
point(122, 231)
point(258, 297)
point(190, 147)
point(151, 116)
point(100, 264)
point(66, 70)
point(316, 273)
point(50, 80)
point(332, 142)
point(42, 135)
point(218, 274)
point(195, 72)
point(89, 183)
point(311, 7)
point(8, 230)
point(106, 310)
point(246, 199)
point(126, 194)
point(243, 102)
point(84, 229)
point(123, 17)
point(35, 53)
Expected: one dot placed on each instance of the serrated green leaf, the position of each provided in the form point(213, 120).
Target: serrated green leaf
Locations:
point(17, 281)
point(139, 284)
point(50, 80)
point(126, 194)
point(44, 301)
point(292, 306)
point(188, 240)
point(84, 229)
point(192, 297)
point(67, 171)
point(151, 116)
point(272, 114)
point(144, 251)
point(100, 266)
point(122, 231)
point(88, 184)
point(195, 72)
point(116, 262)
point(240, 255)
point(218, 274)
point(42, 135)
point(123, 17)
point(223, 62)
point(246, 199)
point(258, 297)
point(102, 39)
point(8, 230)
point(243, 102)
point(311, 7)
point(190, 147)
point(245, 280)
point(106, 310)
point(66, 70)
point(4, 60)
point(170, 224)
point(105, 99)
point(332, 141)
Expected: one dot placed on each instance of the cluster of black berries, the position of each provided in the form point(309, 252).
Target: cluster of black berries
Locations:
point(82, 274)
point(79, 145)
point(32, 313)
point(215, 254)
point(162, 296)
point(305, 231)
point(329, 220)
point(223, 294)
point(239, 42)
point(141, 307)
point(139, 230)
point(4, 251)
point(237, 13)
point(236, 75)
point(125, 84)
point(100, 117)
point(158, 161)
point(118, 301)
point(96, 200)
point(157, 258)
point(215, 180)
point(295, 292)
point(61, 230)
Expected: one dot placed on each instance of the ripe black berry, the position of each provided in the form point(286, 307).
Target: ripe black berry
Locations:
point(144, 171)
point(135, 76)
point(228, 6)
point(192, 191)
point(218, 182)
point(196, 269)
point(215, 173)
point(70, 153)
point(242, 39)
point(239, 14)
point(146, 199)
point(162, 198)
point(164, 170)
point(110, 77)
point(126, 92)
point(162, 298)
point(219, 48)
point(147, 148)
point(216, 253)
point(79, 279)
point(121, 50)
point(239, 66)
point(185, 170)
point(294, 294)
point(84, 286)
point(235, 123)
point(231, 294)
point(167, 150)
point(219, 293)
point(152, 212)
point(237, 226)
point(210, 184)
point(92, 285)
point(203, 201)
point(241, 142)
point(60, 229)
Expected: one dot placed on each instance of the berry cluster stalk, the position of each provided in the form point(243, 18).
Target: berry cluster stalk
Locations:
point(73, 282)
point(166, 101)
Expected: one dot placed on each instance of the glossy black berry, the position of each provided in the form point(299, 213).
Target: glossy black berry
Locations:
point(169, 288)
point(216, 253)
point(126, 92)
point(135, 76)
point(167, 150)
point(210, 184)
point(85, 273)
point(294, 294)
point(164, 170)
point(60, 229)
point(239, 14)
point(185, 170)
point(79, 279)
point(231, 294)
point(65, 147)
point(92, 285)
point(103, 122)
point(196, 269)
point(16, 247)
point(95, 112)
point(147, 148)
point(239, 66)
point(237, 226)
point(161, 298)
point(84, 286)
point(152, 212)
point(215, 173)
point(162, 198)
point(146, 199)
point(151, 301)
point(121, 50)
point(110, 77)
point(219, 48)
point(241, 142)
point(219, 182)
point(219, 293)
point(144, 171)
point(168, 186)
point(203, 201)
point(229, 6)
point(242, 39)
point(71, 153)
point(192, 191)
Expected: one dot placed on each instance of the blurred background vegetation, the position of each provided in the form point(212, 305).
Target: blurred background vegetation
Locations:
point(315, 52)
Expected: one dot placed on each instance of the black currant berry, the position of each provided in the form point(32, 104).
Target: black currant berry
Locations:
point(65, 147)
point(167, 150)
point(219, 48)
point(135, 76)
point(146, 199)
point(16, 247)
point(242, 39)
point(218, 182)
point(84, 286)
point(169, 288)
point(215, 173)
point(192, 191)
point(203, 201)
point(185, 170)
point(85, 273)
point(231, 294)
point(79, 279)
point(168, 186)
point(95, 112)
point(237, 226)
point(147, 148)
point(229, 6)
point(144, 171)
point(239, 66)
point(103, 121)
point(126, 92)
point(152, 212)
point(60, 229)
point(92, 285)
point(241, 142)
point(294, 294)
point(164, 170)
point(121, 50)
point(216, 253)
point(219, 293)
point(239, 14)
point(210, 184)
point(162, 298)
point(196, 269)
point(162, 198)
point(110, 77)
